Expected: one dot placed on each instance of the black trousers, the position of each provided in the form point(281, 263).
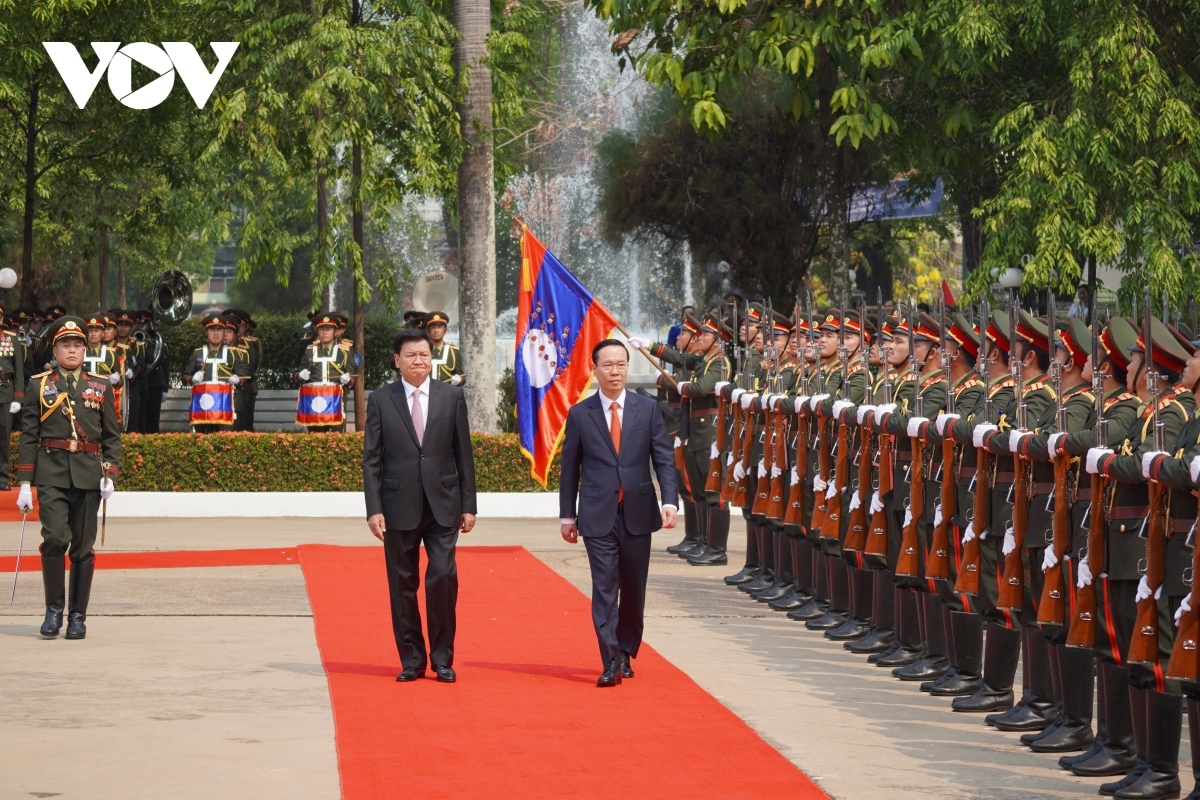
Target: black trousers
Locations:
point(152, 409)
point(620, 563)
point(402, 551)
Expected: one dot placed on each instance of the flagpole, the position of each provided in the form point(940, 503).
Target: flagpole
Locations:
point(649, 358)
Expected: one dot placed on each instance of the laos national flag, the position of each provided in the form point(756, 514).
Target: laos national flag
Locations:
point(212, 404)
point(319, 404)
point(558, 324)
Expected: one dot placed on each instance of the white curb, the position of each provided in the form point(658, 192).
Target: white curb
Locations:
point(304, 504)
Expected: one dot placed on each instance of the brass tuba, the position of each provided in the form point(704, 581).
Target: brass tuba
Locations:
point(171, 297)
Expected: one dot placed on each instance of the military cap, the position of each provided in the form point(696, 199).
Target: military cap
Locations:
point(754, 312)
point(928, 330)
point(95, 320)
point(123, 315)
point(1077, 340)
point(109, 320)
point(436, 318)
point(964, 334)
point(412, 319)
point(890, 323)
point(65, 328)
point(1033, 330)
point(36, 314)
point(1169, 352)
point(212, 321)
point(22, 315)
point(710, 325)
point(1118, 339)
point(325, 321)
point(231, 320)
point(997, 331)
point(54, 312)
point(691, 324)
point(780, 324)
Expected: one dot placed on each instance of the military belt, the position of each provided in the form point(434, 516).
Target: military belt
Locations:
point(1005, 477)
point(1130, 512)
point(967, 472)
point(70, 445)
point(1043, 488)
point(701, 412)
point(1181, 525)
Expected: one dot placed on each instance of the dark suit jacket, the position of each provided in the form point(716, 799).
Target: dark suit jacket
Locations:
point(396, 470)
point(591, 468)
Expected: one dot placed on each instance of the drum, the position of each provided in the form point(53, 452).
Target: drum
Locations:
point(319, 405)
point(212, 404)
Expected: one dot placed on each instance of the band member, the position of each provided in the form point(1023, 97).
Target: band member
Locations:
point(447, 363)
point(12, 388)
point(128, 360)
point(253, 348)
point(157, 377)
point(70, 448)
point(213, 371)
point(325, 368)
point(101, 358)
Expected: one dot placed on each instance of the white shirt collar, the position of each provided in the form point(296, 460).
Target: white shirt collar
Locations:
point(409, 388)
point(607, 401)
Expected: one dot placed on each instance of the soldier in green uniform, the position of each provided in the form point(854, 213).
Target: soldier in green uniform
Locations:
point(216, 362)
point(70, 448)
point(12, 392)
point(129, 352)
point(325, 361)
point(447, 363)
point(101, 358)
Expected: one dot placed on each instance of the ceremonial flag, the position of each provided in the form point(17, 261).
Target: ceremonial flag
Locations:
point(319, 404)
point(212, 404)
point(558, 324)
point(947, 295)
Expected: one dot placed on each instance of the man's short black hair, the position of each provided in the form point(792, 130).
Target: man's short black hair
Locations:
point(410, 335)
point(685, 308)
point(608, 343)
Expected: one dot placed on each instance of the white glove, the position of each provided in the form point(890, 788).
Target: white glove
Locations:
point(832, 491)
point(234, 380)
point(981, 431)
point(1147, 458)
point(1195, 470)
point(776, 399)
point(739, 471)
point(746, 399)
point(304, 374)
point(345, 378)
point(729, 458)
point(775, 471)
point(735, 394)
point(129, 374)
point(937, 515)
point(886, 408)
point(1093, 459)
point(855, 501)
point(114, 378)
point(876, 503)
point(1084, 571)
point(679, 386)
point(815, 401)
point(968, 534)
point(942, 421)
point(914, 426)
point(819, 485)
point(198, 377)
point(106, 487)
point(1010, 542)
point(1049, 559)
point(840, 406)
point(1014, 440)
point(713, 452)
point(638, 343)
point(721, 385)
point(14, 407)
point(799, 403)
point(25, 499)
point(762, 466)
point(1143, 591)
point(795, 477)
point(907, 516)
point(864, 410)
point(1185, 605)
point(679, 443)
point(455, 380)
point(1052, 444)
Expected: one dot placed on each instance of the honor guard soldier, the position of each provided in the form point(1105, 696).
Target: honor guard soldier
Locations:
point(447, 363)
point(253, 346)
point(325, 369)
point(70, 448)
point(242, 357)
point(101, 358)
point(214, 370)
point(414, 319)
point(128, 365)
point(12, 391)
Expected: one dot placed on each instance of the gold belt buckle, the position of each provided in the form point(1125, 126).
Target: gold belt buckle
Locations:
point(74, 446)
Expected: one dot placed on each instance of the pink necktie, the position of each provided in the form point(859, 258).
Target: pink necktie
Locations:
point(418, 418)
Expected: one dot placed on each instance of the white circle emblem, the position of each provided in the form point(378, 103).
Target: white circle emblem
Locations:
point(319, 404)
point(540, 357)
point(207, 401)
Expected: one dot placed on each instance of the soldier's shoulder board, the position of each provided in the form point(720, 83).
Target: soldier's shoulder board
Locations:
point(249, 338)
point(41, 374)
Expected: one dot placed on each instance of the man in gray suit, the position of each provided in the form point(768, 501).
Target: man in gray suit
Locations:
point(613, 438)
point(419, 480)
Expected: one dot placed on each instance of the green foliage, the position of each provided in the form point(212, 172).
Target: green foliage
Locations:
point(287, 462)
point(506, 406)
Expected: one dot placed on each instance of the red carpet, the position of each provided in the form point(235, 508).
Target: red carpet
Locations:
point(166, 559)
point(525, 718)
point(8, 506)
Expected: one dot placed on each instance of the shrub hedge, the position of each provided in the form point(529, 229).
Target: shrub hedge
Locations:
point(287, 462)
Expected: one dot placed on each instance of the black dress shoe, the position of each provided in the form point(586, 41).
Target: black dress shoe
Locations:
point(445, 674)
point(1034, 736)
point(626, 669)
point(760, 582)
point(611, 675)
point(957, 685)
point(1035, 715)
point(693, 550)
point(885, 652)
point(876, 641)
point(75, 627)
point(684, 545)
point(828, 621)
point(901, 658)
point(793, 599)
point(746, 575)
point(928, 668)
point(1066, 738)
point(811, 610)
point(410, 674)
point(1104, 763)
point(849, 630)
point(4, 487)
point(774, 592)
point(709, 558)
point(985, 699)
point(1134, 775)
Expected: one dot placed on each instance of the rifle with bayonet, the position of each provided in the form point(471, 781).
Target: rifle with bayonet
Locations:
point(741, 490)
point(938, 565)
point(762, 488)
point(968, 574)
point(1012, 584)
point(793, 513)
point(820, 504)
point(1143, 647)
point(856, 531)
point(831, 529)
point(737, 426)
point(877, 537)
point(779, 453)
point(909, 562)
point(714, 481)
point(1052, 610)
point(1082, 632)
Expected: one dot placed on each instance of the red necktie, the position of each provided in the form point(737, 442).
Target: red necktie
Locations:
point(614, 430)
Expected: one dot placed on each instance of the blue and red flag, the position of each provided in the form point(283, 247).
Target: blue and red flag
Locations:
point(319, 404)
point(212, 404)
point(558, 324)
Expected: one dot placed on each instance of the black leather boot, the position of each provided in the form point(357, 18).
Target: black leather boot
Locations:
point(1001, 651)
point(908, 632)
point(1037, 710)
point(750, 571)
point(1101, 738)
point(1028, 739)
point(1077, 682)
point(782, 561)
point(966, 645)
point(717, 530)
point(81, 591)
point(1118, 755)
point(766, 575)
point(819, 603)
point(796, 596)
point(837, 577)
point(54, 584)
point(935, 663)
point(881, 634)
point(1160, 779)
point(1193, 714)
point(1137, 716)
point(857, 624)
point(690, 528)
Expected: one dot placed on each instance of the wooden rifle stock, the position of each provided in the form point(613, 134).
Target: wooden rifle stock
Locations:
point(762, 489)
point(831, 527)
point(877, 538)
point(1012, 584)
point(729, 487)
point(968, 574)
point(856, 532)
point(1185, 657)
point(1082, 632)
point(1052, 609)
point(1143, 646)
point(777, 505)
point(819, 503)
point(794, 513)
point(938, 565)
point(909, 562)
point(741, 490)
point(713, 483)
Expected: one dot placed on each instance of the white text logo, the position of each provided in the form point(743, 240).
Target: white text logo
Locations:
point(172, 57)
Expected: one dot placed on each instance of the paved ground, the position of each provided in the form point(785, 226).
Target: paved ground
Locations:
point(207, 682)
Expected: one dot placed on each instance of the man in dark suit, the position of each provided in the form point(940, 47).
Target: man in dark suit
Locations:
point(419, 479)
point(613, 438)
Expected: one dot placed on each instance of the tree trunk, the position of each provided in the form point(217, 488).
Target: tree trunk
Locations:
point(122, 297)
point(477, 218)
point(28, 288)
point(879, 278)
point(972, 236)
point(102, 262)
point(360, 398)
point(837, 208)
